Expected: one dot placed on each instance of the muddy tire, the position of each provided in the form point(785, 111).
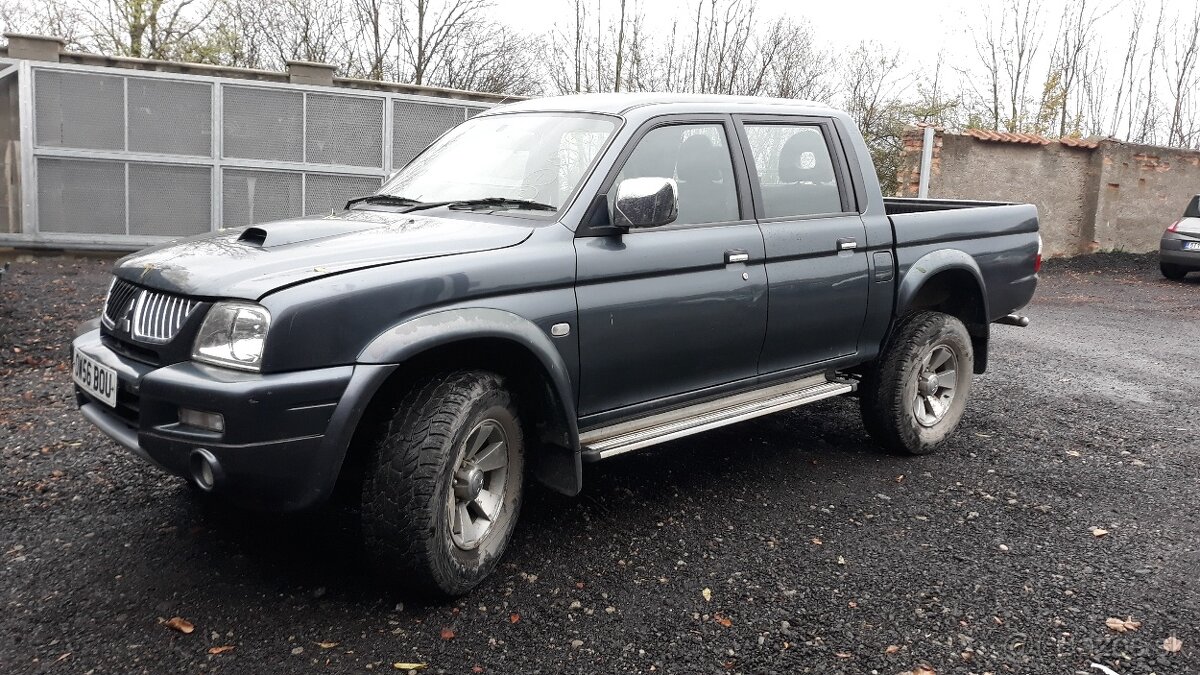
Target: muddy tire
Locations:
point(443, 484)
point(915, 394)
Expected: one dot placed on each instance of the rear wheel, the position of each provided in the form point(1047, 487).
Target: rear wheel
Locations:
point(1172, 272)
point(443, 486)
point(915, 394)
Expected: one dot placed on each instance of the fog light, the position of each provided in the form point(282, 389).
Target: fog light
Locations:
point(204, 469)
point(202, 420)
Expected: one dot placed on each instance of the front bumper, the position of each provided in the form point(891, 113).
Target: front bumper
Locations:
point(285, 436)
point(1170, 251)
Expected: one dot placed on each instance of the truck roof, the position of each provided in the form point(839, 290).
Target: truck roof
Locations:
point(647, 103)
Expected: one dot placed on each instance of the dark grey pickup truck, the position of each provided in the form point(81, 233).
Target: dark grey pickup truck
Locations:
point(552, 282)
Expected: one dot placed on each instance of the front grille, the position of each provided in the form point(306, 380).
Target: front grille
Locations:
point(157, 317)
point(119, 296)
point(154, 317)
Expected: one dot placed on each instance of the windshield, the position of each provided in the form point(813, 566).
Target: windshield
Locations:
point(536, 157)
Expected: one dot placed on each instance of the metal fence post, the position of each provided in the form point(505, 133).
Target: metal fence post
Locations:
point(926, 161)
point(28, 169)
point(216, 148)
point(387, 135)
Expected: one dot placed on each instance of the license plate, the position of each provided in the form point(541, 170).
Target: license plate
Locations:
point(95, 378)
point(1191, 245)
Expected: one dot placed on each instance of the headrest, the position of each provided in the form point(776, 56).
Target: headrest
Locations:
point(699, 160)
point(653, 155)
point(805, 157)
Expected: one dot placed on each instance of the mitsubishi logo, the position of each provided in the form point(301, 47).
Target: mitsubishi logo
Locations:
point(126, 320)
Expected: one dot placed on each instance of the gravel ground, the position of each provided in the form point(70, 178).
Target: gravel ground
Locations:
point(819, 553)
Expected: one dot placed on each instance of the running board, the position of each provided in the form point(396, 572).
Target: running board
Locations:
point(605, 442)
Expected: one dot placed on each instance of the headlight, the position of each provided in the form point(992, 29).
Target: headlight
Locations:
point(232, 335)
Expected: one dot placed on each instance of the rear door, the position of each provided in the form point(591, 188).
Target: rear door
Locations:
point(670, 311)
point(815, 240)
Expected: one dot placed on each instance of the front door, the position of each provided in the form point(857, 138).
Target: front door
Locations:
point(680, 308)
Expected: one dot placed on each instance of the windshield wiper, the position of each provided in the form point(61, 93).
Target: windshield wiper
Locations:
point(460, 204)
point(505, 202)
point(389, 200)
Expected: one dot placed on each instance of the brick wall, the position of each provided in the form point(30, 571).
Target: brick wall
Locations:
point(1091, 195)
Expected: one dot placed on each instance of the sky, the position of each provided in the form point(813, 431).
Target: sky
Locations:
point(887, 21)
point(921, 30)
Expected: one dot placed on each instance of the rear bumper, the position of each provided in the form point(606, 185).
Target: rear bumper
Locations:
point(1170, 251)
point(285, 434)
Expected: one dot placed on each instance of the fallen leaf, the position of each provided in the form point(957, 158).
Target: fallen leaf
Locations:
point(410, 666)
point(1172, 644)
point(891, 649)
point(447, 634)
point(514, 618)
point(707, 593)
point(1099, 532)
point(723, 620)
point(220, 650)
point(180, 624)
point(1122, 625)
point(326, 645)
point(816, 541)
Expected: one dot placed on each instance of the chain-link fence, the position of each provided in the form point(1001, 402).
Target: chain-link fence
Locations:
point(116, 158)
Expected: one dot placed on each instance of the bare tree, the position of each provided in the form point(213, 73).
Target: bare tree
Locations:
point(1076, 33)
point(1179, 61)
point(376, 29)
point(62, 19)
point(1018, 57)
point(989, 37)
point(432, 29)
point(154, 29)
point(306, 30)
point(1149, 115)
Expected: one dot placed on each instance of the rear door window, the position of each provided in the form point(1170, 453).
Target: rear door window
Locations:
point(795, 170)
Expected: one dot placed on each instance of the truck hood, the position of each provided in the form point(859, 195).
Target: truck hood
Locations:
point(250, 262)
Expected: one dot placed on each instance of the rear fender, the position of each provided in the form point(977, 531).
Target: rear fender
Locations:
point(927, 268)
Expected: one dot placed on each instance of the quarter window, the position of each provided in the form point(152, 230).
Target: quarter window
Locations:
point(697, 157)
point(795, 170)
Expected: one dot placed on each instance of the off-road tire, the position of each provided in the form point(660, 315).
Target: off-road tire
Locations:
point(409, 477)
point(888, 391)
point(1172, 272)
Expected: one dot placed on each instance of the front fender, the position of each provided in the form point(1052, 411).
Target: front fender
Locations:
point(562, 470)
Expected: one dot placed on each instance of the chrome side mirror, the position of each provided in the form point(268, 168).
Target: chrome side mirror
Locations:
point(646, 202)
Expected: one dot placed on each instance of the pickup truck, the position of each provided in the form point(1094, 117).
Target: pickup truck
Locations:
point(552, 282)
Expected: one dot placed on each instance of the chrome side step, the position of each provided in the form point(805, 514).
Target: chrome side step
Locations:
point(616, 439)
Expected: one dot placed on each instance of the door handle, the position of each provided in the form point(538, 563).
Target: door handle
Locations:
point(846, 244)
point(737, 255)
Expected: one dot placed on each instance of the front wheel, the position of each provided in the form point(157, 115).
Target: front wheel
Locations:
point(915, 394)
point(1172, 272)
point(443, 486)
